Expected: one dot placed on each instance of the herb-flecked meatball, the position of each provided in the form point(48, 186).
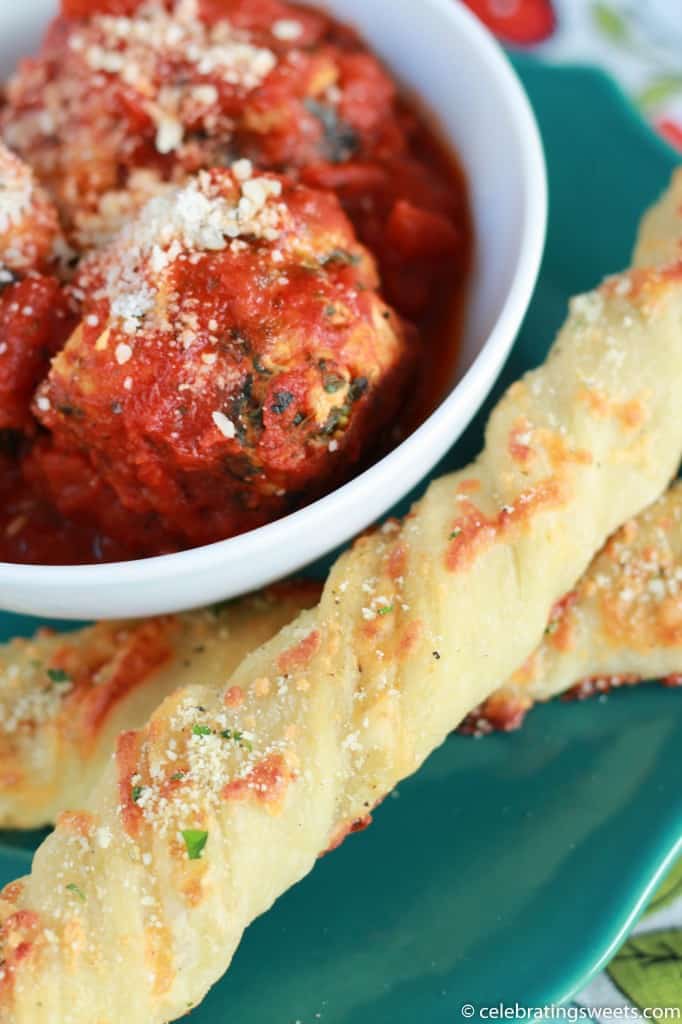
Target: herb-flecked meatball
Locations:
point(233, 360)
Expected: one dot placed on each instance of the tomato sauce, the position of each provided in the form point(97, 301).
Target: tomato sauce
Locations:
point(402, 189)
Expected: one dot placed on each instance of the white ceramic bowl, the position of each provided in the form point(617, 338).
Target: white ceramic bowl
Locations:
point(441, 53)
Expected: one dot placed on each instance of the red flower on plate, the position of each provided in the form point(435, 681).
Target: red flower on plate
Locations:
point(671, 131)
point(523, 22)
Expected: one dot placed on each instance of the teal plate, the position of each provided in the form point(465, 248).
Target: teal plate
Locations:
point(508, 869)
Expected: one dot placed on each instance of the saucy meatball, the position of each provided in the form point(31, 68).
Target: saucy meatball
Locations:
point(233, 359)
point(175, 87)
point(33, 308)
point(29, 227)
point(127, 96)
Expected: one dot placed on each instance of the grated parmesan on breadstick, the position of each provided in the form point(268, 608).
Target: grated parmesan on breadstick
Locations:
point(136, 903)
point(620, 624)
point(65, 697)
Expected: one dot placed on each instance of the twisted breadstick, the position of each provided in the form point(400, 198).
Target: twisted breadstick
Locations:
point(659, 242)
point(135, 905)
point(64, 699)
point(622, 623)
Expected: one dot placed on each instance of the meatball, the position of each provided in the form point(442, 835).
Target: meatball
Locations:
point(29, 227)
point(175, 87)
point(34, 322)
point(33, 308)
point(127, 96)
point(234, 358)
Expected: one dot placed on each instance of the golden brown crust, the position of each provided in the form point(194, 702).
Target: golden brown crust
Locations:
point(620, 624)
point(65, 697)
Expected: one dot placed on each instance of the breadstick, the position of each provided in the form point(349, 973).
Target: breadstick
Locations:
point(135, 904)
point(660, 236)
point(64, 697)
point(621, 623)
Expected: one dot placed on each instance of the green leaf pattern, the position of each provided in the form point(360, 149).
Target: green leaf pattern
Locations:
point(669, 891)
point(648, 969)
point(630, 35)
point(659, 90)
point(609, 22)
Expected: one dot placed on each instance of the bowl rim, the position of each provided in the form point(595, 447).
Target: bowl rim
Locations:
point(476, 381)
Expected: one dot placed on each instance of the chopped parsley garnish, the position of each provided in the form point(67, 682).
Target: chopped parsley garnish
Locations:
point(237, 736)
point(260, 367)
point(76, 890)
point(357, 388)
point(177, 777)
point(551, 628)
point(282, 401)
point(256, 417)
point(333, 383)
point(340, 140)
point(195, 841)
point(455, 533)
point(136, 793)
point(386, 610)
point(58, 675)
point(351, 259)
point(226, 734)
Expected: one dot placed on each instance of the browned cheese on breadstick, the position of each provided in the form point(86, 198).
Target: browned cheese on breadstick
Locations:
point(135, 904)
point(621, 624)
point(65, 697)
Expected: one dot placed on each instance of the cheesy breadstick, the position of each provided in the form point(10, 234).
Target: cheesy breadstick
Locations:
point(620, 624)
point(64, 697)
point(135, 904)
point(659, 242)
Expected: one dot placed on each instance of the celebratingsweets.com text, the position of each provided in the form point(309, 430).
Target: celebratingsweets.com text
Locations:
point(569, 1013)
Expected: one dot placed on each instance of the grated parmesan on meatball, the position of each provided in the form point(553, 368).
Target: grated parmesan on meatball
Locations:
point(233, 359)
point(173, 87)
point(29, 227)
point(33, 308)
